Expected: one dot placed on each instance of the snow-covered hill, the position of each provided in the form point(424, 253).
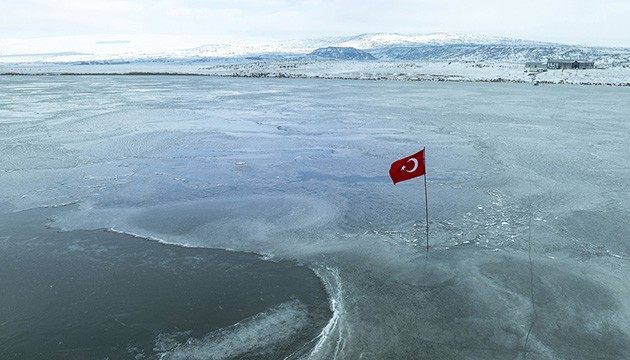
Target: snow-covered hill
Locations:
point(449, 47)
point(342, 53)
point(431, 47)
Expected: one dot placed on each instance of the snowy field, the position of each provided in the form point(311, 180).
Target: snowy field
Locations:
point(468, 71)
point(529, 198)
point(457, 71)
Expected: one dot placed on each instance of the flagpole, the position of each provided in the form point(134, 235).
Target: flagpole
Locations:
point(426, 201)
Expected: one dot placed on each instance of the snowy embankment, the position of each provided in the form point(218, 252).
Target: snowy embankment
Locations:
point(462, 71)
point(421, 71)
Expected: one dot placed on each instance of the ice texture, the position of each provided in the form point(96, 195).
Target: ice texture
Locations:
point(297, 169)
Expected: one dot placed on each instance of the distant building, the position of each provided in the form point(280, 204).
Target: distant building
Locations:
point(535, 67)
point(570, 64)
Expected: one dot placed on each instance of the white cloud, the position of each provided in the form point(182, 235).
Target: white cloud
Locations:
point(572, 21)
point(67, 17)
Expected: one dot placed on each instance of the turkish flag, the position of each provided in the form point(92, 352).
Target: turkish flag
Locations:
point(408, 168)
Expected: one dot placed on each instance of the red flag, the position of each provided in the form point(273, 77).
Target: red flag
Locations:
point(408, 168)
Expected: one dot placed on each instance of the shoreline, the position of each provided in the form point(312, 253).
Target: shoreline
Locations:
point(430, 71)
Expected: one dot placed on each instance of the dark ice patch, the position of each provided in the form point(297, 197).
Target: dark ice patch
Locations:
point(599, 232)
point(99, 294)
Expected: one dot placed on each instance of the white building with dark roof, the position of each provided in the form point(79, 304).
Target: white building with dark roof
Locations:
point(570, 64)
point(535, 67)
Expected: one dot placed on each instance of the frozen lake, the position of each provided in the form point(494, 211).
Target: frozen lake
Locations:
point(529, 209)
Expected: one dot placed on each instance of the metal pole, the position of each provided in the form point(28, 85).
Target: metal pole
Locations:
point(426, 203)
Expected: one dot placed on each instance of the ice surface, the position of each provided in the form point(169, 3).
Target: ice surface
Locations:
point(297, 169)
point(256, 336)
point(98, 294)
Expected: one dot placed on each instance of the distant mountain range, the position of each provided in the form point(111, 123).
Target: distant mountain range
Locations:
point(431, 47)
point(391, 47)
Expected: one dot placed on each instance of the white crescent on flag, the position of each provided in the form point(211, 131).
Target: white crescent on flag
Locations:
point(415, 165)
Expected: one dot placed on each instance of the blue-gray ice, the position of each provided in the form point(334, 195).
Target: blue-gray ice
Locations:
point(297, 169)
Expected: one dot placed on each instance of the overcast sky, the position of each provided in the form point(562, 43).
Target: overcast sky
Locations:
point(592, 22)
